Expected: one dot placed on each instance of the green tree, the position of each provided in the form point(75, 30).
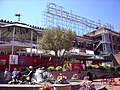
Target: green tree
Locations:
point(57, 39)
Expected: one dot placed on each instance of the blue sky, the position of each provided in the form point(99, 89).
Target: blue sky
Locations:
point(107, 11)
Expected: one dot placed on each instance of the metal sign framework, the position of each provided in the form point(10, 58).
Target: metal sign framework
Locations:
point(56, 16)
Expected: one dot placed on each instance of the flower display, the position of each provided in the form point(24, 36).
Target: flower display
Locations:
point(75, 76)
point(46, 86)
point(87, 85)
point(61, 79)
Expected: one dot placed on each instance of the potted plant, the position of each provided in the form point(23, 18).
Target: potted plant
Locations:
point(61, 79)
point(87, 85)
point(46, 86)
point(59, 68)
point(51, 68)
point(62, 83)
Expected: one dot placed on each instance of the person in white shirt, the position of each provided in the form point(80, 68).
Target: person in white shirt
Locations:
point(7, 74)
point(14, 73)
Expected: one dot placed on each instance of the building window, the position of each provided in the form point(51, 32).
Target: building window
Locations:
point(88, 46)
point(113, 38)
point(79, 44)
point(118, 40)
point(118, 47)
point(114, 47)
point(74, 44)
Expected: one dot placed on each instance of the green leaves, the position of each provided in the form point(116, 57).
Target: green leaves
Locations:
point(56, 38)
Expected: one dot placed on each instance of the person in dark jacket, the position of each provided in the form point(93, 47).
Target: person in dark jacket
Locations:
point(29, 76)
point(89, 74)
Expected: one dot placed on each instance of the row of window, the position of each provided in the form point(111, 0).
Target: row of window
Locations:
point(83, 45)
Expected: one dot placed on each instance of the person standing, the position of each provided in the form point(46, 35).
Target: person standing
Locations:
point(89, 74)
point(14, 77)
point(7, 74)
point(14, 73)
point(30, 74)
point(27, 78)
point(19, 75)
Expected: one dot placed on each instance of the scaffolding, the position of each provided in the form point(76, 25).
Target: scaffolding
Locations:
point(56, 16)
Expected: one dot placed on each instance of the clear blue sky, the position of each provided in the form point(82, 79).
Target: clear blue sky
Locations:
point(108, 11)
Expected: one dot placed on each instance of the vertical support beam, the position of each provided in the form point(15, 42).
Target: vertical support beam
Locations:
point(37, 45)
point(0, 34)
point(111, 37)
point(31, 42)
point(6, 52)
point(103, 44)
point(12, 50)
point(13, 36)
point(0, 38)
point(19, 52)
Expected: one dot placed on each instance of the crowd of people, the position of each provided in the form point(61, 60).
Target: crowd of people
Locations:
point(40, 75)
point(16, 75)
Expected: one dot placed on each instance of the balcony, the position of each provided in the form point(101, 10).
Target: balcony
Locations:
point(16, 42)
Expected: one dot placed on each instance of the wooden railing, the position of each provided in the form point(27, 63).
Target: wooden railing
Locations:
point(9, 39)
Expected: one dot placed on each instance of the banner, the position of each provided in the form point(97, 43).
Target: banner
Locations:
point(76, 67)
point(13, 59)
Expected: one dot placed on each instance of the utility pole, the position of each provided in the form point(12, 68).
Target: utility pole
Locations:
point(18, 15)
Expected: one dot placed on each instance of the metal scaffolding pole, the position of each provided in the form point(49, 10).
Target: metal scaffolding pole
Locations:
point(55, 15)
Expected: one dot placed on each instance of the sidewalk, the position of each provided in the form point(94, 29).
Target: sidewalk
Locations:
point(116, 86)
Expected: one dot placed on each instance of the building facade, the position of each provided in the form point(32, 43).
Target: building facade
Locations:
point(15, 37)
point(106, 41)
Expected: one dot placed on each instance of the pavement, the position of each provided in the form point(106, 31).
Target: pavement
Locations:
point(97, 82)
point(115, 84)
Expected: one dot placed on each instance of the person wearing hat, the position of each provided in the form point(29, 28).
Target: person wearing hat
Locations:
point(30, 67)
point(29, 76)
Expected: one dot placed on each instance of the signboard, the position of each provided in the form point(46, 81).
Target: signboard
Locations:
point(13, 59)
point(76, 67)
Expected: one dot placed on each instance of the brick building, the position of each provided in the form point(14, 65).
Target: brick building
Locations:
point(15, 37)
point(106, 41)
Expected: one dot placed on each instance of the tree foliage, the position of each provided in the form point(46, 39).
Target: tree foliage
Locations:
point(57, 39)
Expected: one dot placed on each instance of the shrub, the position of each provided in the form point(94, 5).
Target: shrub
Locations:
point(118, 68)
point(95, 66)
point(89, 67)
point(59, 68)
point(102, 68)
point(112, 68)
point(51, 68)
point(107, 67)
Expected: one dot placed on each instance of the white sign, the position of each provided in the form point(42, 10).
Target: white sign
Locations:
point(13, 59)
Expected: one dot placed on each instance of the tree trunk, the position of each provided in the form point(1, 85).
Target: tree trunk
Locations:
point(56, 55)
point(62, 58)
